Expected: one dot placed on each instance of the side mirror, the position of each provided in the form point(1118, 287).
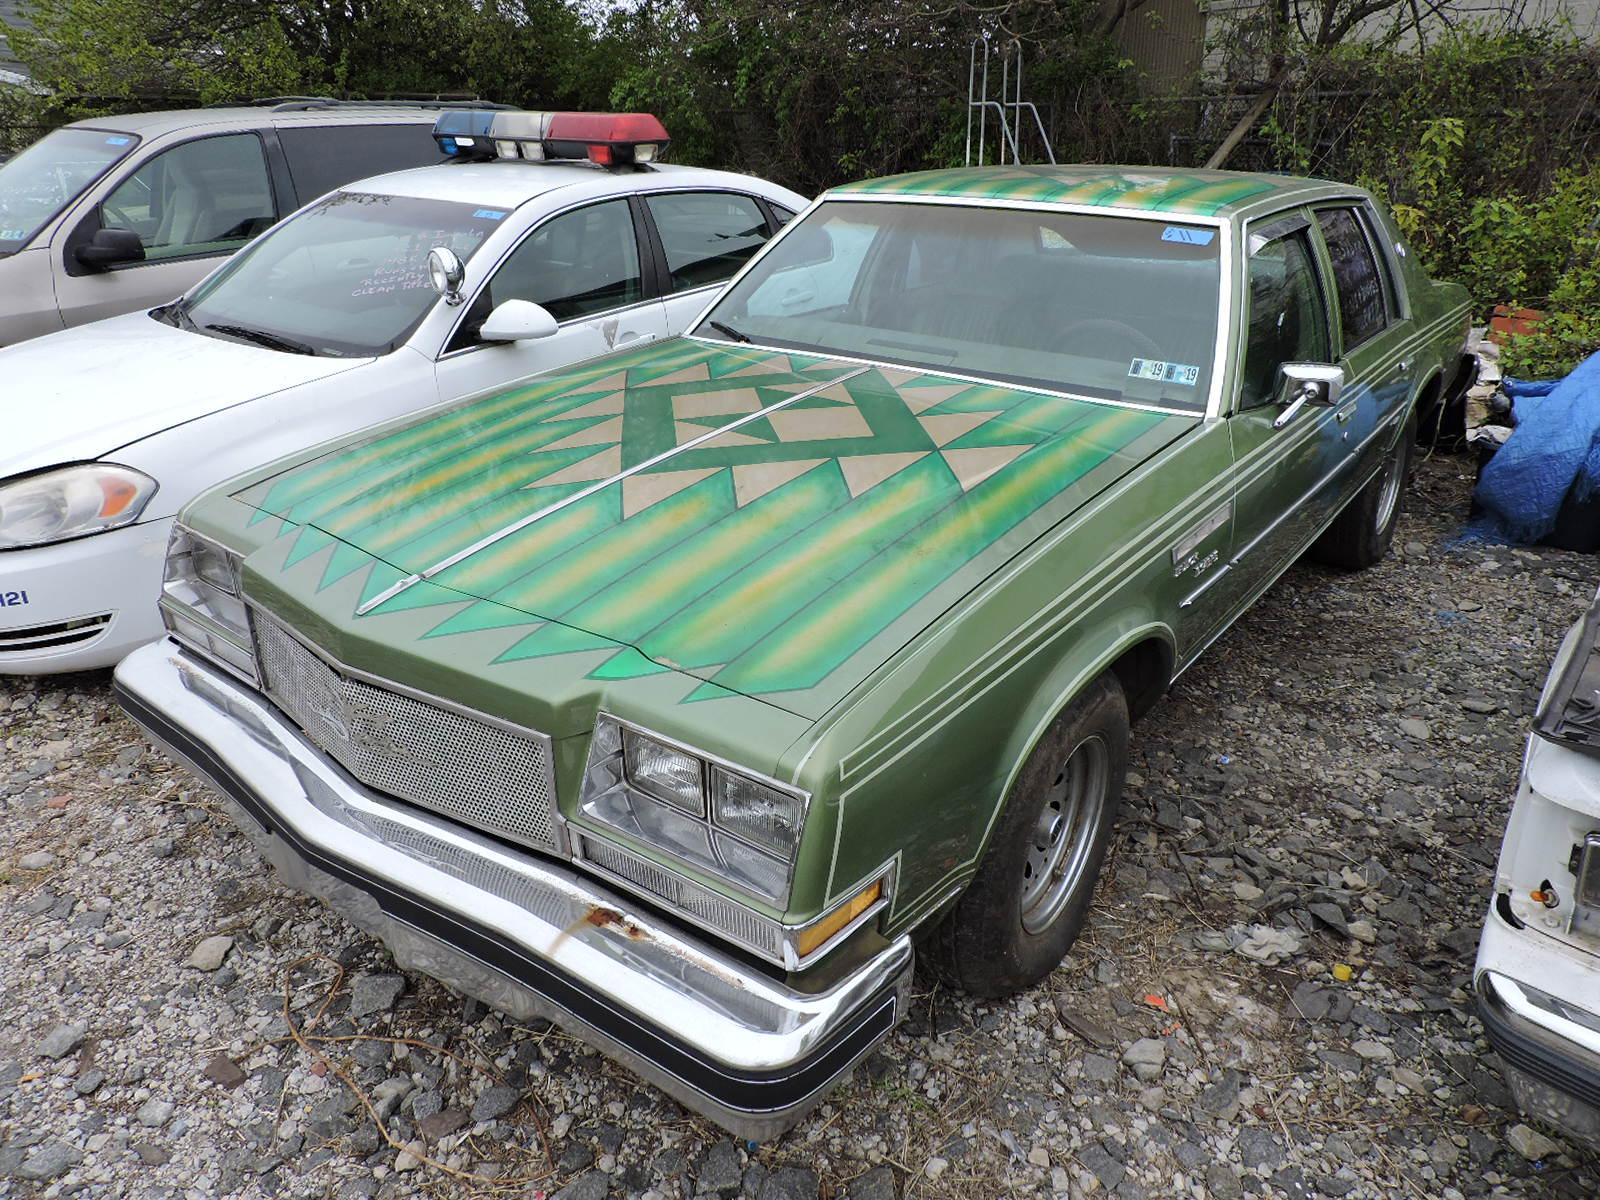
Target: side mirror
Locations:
point(110, 248)
point(1308, 383)
point(518, 321)
point(446, 272)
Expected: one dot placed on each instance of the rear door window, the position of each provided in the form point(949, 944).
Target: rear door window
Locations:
point(324, 157)
point(1363, 306)
point(707, 236)
point(208, 196)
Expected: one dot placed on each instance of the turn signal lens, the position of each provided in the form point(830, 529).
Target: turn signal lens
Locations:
point(813, 936)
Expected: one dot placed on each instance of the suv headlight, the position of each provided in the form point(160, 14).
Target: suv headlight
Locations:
point(727, 823)
point(201, 602)
point(71, 502)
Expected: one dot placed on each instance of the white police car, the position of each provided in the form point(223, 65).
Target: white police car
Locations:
point(556, 237)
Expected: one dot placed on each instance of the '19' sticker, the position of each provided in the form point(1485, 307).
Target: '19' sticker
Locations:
point(13, 599)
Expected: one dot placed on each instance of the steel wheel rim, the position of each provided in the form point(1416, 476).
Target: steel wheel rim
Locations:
point(1062, 839)
point(1389, 495)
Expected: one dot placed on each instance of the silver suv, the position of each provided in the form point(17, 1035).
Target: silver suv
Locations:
point(110, 215)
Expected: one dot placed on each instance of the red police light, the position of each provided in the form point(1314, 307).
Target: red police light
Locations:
point(609, 139)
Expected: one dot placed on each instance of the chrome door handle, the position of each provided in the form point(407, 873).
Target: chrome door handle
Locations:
point(1401, 367)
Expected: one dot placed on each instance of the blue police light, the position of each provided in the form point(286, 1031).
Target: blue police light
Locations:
point(464, 133)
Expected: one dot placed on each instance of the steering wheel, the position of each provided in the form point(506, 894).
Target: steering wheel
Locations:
point(1093, 332)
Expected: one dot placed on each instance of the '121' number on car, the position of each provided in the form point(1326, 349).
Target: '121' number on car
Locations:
point(13, 599)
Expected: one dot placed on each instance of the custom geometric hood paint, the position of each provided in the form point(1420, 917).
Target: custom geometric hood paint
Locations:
point(783, 558)
point(1203, 193)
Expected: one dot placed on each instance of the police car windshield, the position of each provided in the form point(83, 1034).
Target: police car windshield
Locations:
point(347, 277)
point(47, 176)
point(1114, 307)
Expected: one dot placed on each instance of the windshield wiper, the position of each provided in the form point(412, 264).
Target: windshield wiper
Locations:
point(729, 331)
point(262, 338)
point(176, 315)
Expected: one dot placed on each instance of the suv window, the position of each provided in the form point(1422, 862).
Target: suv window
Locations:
point(706, 235)
point(323, 157)
point(209, 196)
point(1288, 319)
point(1362, 309)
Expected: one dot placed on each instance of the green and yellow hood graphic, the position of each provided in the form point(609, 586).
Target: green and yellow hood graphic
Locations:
point(770, 524)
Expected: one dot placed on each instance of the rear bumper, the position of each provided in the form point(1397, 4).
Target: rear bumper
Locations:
point(1551, 1060)
point(529, 936)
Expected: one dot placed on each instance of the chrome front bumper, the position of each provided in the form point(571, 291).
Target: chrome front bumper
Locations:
point(529, 936)
point(1547, 1034)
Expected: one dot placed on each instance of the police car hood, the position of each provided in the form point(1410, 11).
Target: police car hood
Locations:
point(85, 393)
point(757, 522)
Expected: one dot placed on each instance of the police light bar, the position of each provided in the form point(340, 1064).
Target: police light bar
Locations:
point(608, 139)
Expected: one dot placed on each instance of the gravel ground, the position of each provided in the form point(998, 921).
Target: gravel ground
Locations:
point(1272, 998)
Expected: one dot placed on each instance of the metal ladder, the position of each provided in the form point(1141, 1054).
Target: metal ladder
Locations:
point(1010, 55)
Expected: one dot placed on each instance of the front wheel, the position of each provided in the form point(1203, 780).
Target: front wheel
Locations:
point(1362, 533)
point(1024, 908)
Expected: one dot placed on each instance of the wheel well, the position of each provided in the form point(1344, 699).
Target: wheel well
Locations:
point(1144, 670)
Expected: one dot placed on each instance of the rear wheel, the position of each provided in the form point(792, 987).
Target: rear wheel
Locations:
point(1362, 533)
point(1024, 908)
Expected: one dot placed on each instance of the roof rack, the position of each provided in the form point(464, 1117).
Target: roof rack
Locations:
point(313, 103)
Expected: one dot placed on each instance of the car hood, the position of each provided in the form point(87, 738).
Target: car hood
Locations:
point(83, 393)
point(769, 524)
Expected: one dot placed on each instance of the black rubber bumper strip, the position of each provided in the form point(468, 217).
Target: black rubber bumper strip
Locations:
point(1536, 1057)
point(753, 1092)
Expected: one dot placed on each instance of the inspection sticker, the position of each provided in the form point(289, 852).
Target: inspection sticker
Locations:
point(1163, 372)
point(1188, 235)
point(489, 214)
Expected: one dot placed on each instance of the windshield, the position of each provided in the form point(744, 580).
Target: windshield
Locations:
point(49, 175)
point(1120, 308)
point(347, 277)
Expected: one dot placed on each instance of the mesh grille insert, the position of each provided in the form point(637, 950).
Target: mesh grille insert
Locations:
point(467, 769)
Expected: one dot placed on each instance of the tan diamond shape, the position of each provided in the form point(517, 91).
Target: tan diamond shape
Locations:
point(819, 424)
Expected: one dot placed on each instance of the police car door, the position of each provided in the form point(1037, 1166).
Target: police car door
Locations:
point(585, 267)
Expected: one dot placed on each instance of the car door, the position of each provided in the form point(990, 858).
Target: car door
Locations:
point(704, 238)
point(587, 267)
point(192, 205)
point(1374, 333)
point(1287, 464)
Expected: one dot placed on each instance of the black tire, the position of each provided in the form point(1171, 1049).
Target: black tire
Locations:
point(982, 945)
point(1362, 533)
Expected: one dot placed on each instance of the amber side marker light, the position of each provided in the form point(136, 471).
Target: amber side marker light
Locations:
point(116, 494)
point(813, 936)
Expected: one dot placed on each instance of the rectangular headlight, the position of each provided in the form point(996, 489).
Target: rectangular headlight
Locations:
point(655, 790)
point(756, 811)
point(664, 772)
point(201, 602)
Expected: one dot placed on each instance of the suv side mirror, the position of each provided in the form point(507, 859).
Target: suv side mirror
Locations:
point(517, 321)
point(1308, 383)
point(110, 248)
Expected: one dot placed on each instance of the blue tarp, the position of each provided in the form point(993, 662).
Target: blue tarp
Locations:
point(1554, 450)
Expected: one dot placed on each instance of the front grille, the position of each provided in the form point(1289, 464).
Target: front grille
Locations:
point(467, 768)
point(751, 930)
point(30, 639)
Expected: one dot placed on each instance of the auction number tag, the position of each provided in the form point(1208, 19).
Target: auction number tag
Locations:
point(1163, 372)
point(13, 599)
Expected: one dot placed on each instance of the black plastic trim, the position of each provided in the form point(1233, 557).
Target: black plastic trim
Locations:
point(1572, 1072)
point(753, 1092)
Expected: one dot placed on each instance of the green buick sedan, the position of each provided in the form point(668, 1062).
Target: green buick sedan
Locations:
point(683, 697)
